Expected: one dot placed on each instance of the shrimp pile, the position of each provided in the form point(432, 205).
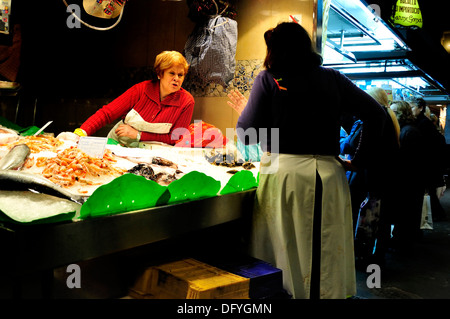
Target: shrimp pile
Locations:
point(39, 143)
point(71, 166)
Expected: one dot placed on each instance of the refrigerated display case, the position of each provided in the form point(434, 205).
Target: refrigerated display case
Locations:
point(356, 41)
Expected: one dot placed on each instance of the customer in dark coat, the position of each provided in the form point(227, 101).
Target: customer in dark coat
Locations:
point(383, 178)
point(411, 177)
point(301, 219)
point(435, 150)
point(376, 183)
point(356, 178)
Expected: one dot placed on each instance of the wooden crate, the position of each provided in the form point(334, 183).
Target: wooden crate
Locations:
point(189, 279)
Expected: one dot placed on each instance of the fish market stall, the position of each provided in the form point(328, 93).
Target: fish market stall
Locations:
point(135, 197)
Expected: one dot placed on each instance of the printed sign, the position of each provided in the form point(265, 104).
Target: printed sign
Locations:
point(93, 146)
point(407, 13)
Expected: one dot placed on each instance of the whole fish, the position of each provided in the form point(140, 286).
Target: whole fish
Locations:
point(15, 157)
point(18, 180)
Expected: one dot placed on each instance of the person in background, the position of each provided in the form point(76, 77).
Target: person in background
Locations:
point(374, 184)
point(151, 110)
point(381, 96)
point(411, 179)
point(427, 111)
point(436, 155)
point(384, 177)
point(357, 179)
point(302, 218)
point(435, 120)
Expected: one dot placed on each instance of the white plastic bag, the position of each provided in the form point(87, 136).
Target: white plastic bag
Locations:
point(427, 220)
point(210, 51)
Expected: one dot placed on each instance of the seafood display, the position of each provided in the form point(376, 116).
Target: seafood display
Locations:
point(51, 165)
point(57, 167)
point(7, 135)
point(15, 157)
point(155, 168)
point(221, 157)
point(71, 166)
point(17, 180)
point(162, 177)
point(39, 143)
point(164, 162)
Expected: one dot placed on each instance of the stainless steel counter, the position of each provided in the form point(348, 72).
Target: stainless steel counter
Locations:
point(33, 248)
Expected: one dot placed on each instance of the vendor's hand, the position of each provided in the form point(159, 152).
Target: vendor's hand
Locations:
point(68, 136)
point(238, 101)
point(127, 131)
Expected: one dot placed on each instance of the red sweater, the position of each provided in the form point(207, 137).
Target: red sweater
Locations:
point(177, 108)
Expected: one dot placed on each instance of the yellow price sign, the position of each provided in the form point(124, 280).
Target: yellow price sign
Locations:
point(407, 13)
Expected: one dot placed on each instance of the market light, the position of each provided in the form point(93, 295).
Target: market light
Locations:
point(445, 41)
point(443, 117)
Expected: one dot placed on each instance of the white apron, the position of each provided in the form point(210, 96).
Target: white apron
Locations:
point(137, 122)
point(282, 224)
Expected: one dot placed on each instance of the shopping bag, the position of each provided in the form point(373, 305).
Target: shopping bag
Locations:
point(427, 220)
point(366, 231)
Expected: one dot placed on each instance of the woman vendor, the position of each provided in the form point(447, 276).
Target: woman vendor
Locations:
point(150, 110)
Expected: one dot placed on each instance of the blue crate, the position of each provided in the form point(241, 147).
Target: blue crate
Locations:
point(266, 281)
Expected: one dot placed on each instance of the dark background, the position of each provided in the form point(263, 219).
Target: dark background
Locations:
point(66, 74)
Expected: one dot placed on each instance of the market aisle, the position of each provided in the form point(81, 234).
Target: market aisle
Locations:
point(423, 274)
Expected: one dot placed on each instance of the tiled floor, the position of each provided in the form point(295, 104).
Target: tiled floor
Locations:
point(422, 274)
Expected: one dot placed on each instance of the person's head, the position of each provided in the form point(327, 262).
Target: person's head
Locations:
point(402, 111)
point(379, 95)
point(289, 49)
point(171, 68)
point(427, 112)
point(418, 105)
point(434, 119)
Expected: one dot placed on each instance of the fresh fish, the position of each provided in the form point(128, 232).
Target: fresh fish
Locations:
point(15, 157)
point(162, 177)
point(164, 162)
point(15, 180)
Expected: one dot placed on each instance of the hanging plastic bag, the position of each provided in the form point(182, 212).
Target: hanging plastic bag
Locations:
point(210, 50)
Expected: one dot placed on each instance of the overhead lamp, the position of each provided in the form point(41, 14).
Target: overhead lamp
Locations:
point(445, 41)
